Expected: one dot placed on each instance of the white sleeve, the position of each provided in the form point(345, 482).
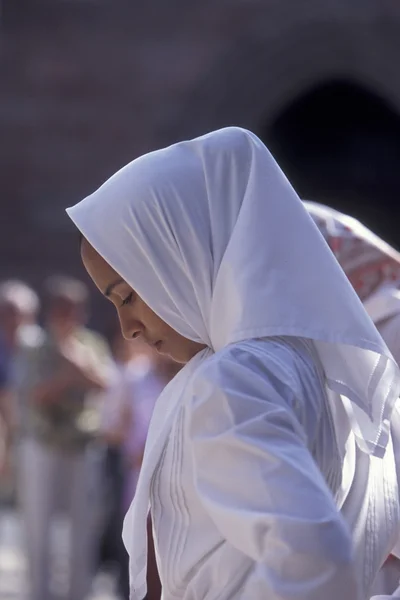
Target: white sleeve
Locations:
point(260, 485)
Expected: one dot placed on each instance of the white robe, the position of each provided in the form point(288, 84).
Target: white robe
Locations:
point(210, 234)
point(240, 509)
point(384, 309)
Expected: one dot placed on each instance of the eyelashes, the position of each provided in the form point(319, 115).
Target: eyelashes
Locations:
point(127, 300)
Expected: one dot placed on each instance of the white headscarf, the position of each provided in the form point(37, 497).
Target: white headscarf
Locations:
point(212, 236)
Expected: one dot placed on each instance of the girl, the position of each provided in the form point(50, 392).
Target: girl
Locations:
point(270, 463)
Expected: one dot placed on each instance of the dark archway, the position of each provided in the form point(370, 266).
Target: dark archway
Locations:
point(340, 144)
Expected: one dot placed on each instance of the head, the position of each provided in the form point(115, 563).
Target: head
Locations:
point(19, 305)
point(138, 321)
point(153, 230)
point(212, 241)
point(66, 305)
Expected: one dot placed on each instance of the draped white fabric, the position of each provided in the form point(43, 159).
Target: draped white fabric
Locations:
point(394, 596)
point(214, 239)
point(368, 261)
point(385, 303)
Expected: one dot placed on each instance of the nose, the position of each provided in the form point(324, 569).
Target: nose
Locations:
point(130, 328)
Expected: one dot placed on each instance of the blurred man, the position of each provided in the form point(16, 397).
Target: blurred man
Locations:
point(58, 450)
point(19, 307)
point(133, 391)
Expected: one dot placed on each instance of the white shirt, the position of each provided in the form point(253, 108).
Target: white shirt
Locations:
point(244, 502)
point(182, 242)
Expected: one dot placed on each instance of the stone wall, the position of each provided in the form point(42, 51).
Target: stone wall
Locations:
point(87, 85)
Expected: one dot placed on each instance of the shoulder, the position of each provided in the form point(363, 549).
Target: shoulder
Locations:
point(89, 335)
point(283, 360)
point(94, 340)
point(253, 385)
point(259, 377)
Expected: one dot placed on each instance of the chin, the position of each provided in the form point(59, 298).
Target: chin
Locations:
point(181, 350)
point(184, 357)
point(180, 359)
point(177, 357)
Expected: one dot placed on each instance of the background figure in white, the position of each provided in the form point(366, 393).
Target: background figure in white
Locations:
point(138, 379)
point(59, 459)
point(371, 265)
point(373, 268)
point(134, 389)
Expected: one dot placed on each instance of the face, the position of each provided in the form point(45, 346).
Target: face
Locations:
point(135, 317)
point(124, 350)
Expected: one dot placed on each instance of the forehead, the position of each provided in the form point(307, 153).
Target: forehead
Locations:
point(98, 269)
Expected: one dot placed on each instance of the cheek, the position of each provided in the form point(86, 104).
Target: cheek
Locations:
point(149, 319)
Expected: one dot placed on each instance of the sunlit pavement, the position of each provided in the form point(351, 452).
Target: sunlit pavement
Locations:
point(13, 577)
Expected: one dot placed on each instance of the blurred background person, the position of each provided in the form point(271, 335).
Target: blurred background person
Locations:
point(59, 458)
point(19, 330)
point(371, 265)
point(19, 308)
point(139, 378)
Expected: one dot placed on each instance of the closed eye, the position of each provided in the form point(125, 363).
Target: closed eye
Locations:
point(127, 300)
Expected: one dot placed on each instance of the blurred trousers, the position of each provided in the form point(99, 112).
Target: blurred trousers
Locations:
point(43, 472)
point(112, 548)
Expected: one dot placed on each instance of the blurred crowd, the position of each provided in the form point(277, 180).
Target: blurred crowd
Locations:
point(75, 408)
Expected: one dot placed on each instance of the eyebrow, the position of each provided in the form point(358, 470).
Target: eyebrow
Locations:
point(111, 286)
